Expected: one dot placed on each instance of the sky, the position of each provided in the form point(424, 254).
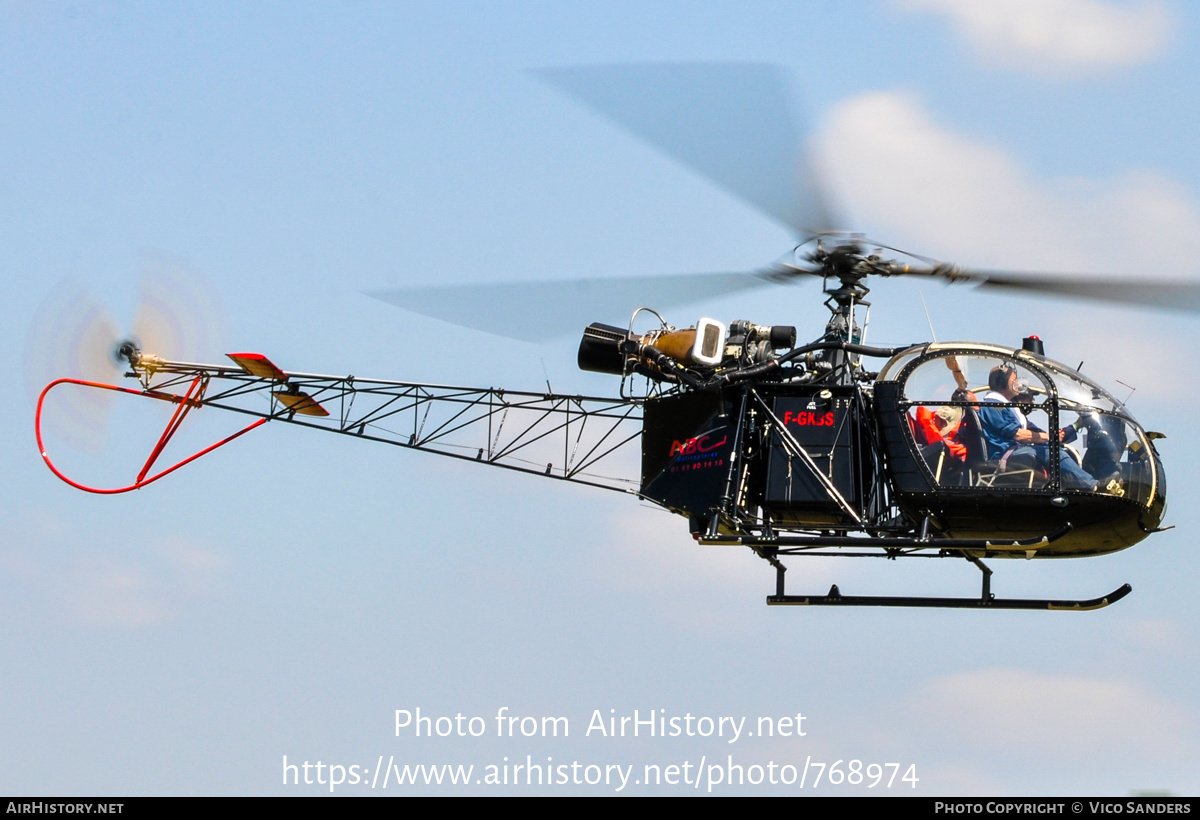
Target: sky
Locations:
point(283, 599)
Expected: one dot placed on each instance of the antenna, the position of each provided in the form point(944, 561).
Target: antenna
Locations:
point(927, 318)
point(1132, 390)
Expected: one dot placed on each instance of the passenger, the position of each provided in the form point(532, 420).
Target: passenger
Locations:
point(941, 427)
point(1010, 434)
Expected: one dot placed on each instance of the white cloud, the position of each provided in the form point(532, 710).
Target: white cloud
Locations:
point(698, 586)
point(657, 552)
point(969, 200)
point(958, 197)
point(108, 587)
point(1154, 353)
point(1039, 714)
point(108, 593)
point(132, 591)
point(1160, 634)
point(1057, 36)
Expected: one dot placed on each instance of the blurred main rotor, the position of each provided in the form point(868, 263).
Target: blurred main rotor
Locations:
point(734, 124)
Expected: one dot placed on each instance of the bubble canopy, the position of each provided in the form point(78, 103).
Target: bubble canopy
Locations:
point(1045, 377)
point(983, 416)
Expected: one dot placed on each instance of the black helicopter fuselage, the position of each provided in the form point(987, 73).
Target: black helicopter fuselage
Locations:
point(851, 463)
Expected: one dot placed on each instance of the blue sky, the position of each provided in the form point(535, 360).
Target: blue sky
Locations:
point(286, 595)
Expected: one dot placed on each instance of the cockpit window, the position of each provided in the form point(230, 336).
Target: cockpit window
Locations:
point(950, 378)
point(894, 365)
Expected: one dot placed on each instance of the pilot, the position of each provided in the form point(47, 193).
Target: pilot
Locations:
point(1010, 434)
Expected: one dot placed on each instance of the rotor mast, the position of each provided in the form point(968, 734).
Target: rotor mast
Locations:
point(846, 264)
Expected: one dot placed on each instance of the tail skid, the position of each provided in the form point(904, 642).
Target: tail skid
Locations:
point(194, 397)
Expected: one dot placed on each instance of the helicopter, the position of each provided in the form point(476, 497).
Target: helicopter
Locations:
point(787, 449)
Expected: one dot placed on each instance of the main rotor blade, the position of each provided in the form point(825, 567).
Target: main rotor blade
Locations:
point(1179, 294)
point(731, 122)
point(537, 311)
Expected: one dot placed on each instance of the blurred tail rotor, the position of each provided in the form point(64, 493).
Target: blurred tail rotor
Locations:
point(179, 315)
point(74, 335)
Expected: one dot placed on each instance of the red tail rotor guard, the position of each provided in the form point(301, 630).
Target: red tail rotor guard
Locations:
point(192, 398)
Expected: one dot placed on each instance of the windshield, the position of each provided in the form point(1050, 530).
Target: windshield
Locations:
point(1076, 392)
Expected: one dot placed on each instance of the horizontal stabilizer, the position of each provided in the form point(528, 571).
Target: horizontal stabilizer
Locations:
point(301, 403)
point(258, 365)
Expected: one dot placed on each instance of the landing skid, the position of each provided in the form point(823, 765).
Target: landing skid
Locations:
point(835, 598)
point(986, 600)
